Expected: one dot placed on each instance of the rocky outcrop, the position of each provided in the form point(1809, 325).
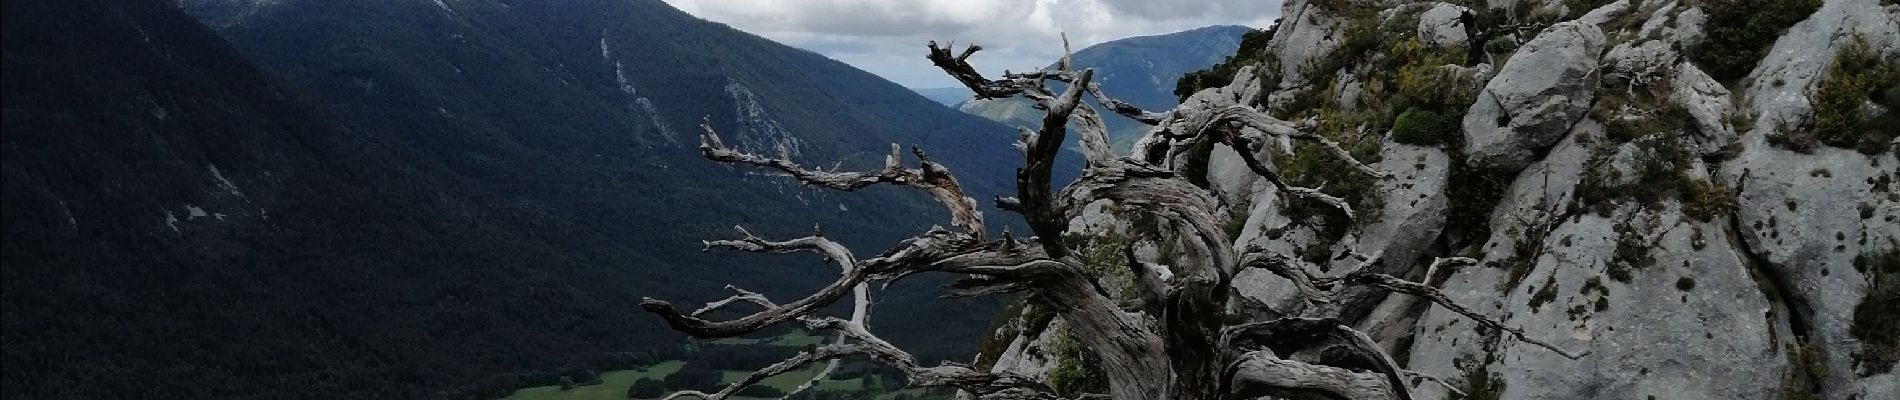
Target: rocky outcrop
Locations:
point(1646, 213)
point(1708, 104)
point(1664, 307)
point(1536, 96)
point(1308, 34)
point(1441, 25)
point(1414, 203)
point(1808, 215)
point(1031, 355)
point(1410, 219)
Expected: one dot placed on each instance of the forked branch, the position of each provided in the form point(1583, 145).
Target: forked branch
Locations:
point(1176, 342)
point(930, 176)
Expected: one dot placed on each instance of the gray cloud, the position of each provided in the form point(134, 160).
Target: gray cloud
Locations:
point(886, 37)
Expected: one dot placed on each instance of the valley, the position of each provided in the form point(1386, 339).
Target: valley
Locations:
point(624, 199)
point(865, 382)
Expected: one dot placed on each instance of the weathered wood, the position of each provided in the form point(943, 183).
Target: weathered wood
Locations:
point(932, 177)
point(1260, 374)
point(1177, 342)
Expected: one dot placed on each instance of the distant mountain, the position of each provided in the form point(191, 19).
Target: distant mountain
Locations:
point(179, 225)
point(589, 110)
point(1139, 70)
point(949, 96)
point(411, 198)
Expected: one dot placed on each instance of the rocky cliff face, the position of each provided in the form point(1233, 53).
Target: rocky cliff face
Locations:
point(1698, 193)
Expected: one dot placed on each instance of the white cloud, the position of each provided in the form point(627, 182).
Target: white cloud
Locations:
point(887, 37)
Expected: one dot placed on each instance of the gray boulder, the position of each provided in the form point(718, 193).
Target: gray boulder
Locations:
point(1708, 103)
point(1544, 89)
point(1415, 203)
point(1308, 34)
point(1031, 356)
point(1440, 26)
point(1403, 229)
point(1807, 216)
point(1687, 324)
point(1640, 62)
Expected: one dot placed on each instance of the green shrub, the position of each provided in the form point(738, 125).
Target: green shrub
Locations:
point(1877, 318)
point(1705, 199)
point(1745, 31)
point(1632, 250)
point(1313, 166)
point(1810, 372)
point(1105, 261)
point(1857, 76)
point(1001, 333)
point(1078, 370)
point(1661, 174)
point(1479, 382)
point(1473, 191)
point(1362, 36)
point(1596, 190)
point(1237, 219)
point(1662, 167)
point(646, 388)
point(1500, 45)
point(1579, 7)
point(1425, 128)
point(1544, 294)
point(1426, 77)
point(1527, 245)
point(1253, 51)
point(1036, 318)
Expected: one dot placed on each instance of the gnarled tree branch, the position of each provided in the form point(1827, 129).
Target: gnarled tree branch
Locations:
point(932, 177)
point(1177, 342)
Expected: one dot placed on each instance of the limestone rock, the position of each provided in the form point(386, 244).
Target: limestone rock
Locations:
point(1307, 35)
point(1655, 335)
point(1689, 26)
point(1536, 96)
point(1806, 216)
point(1639, 62)
point(1788, 74)
point(1415, 203)
point(1440, 26)
point(1402, 230)
point(1031, 356)
point(1707, 102)
point(1604, 14)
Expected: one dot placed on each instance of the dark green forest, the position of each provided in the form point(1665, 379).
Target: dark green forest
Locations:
point(313, 203)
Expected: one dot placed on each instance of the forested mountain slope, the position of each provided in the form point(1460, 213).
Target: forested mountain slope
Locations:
point(179, 224)
point(590, 110)
point(408, 199)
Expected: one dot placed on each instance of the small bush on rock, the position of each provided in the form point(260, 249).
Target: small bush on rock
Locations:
point(1424, 128)
point(1858, 76)
point(1747, 29)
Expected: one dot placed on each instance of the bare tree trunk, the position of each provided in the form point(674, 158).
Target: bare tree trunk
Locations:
point(1177, 343)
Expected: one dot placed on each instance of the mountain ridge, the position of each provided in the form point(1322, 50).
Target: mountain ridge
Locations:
point(415, 199)
point(1139, 70)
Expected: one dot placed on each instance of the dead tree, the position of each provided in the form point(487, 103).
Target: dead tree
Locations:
point(1176, 344)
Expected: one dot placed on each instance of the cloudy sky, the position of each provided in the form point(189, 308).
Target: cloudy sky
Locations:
point(886, 37)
